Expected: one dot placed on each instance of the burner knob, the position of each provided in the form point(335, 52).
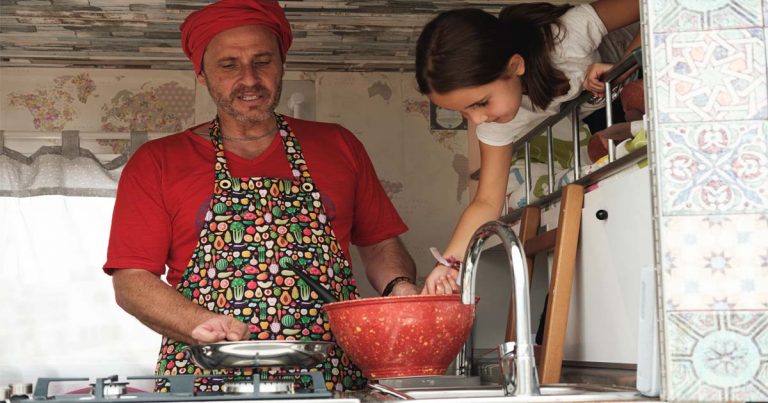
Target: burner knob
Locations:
point(114, 390)
point(21, 389)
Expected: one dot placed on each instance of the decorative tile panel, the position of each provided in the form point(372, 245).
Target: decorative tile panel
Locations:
point(715, 262)
point(717, 356)
point(714, 168)
point(710, 76)
point(697, 15)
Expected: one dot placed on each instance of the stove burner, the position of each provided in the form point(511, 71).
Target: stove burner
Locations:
point(182, 389)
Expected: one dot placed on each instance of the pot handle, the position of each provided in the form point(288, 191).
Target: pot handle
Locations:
point(390, 391)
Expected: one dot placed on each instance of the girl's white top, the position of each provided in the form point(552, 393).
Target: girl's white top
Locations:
point(577, 50)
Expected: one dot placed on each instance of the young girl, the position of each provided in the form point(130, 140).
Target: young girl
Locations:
point(506, 75)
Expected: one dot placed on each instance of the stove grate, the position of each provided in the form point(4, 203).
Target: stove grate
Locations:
point(182, 388)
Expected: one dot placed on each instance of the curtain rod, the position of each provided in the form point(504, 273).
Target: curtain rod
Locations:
point(83, 135)
point(70, 139)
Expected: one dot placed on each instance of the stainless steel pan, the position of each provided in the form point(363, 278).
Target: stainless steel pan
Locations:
point(260, 353)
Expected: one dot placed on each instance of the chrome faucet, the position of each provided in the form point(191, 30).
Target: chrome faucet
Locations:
point(521, 378)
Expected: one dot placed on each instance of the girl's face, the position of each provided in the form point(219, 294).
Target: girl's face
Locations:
point(497, 101)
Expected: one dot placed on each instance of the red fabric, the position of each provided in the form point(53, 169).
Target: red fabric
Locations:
point(202, 25)
point(596, 149)
point(166, 187)
point(633, 97)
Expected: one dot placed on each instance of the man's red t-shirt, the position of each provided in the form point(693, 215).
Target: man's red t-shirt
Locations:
point(166, 187)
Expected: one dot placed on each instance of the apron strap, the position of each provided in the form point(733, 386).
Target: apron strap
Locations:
point(291, 147)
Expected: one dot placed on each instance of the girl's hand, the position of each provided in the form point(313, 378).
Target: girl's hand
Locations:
point(442, 280)
point(592, 81)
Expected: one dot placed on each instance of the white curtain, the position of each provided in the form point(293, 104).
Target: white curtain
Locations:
point(59, 317)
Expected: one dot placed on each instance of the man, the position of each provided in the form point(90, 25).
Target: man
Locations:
point(252, 198)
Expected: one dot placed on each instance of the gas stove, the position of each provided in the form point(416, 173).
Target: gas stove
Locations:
point(110, 389)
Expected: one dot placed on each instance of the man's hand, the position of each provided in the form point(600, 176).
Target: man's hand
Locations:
point(442, 280)
point(166, 311)
point(404, 288)
point(220, 328)
point(385, 261)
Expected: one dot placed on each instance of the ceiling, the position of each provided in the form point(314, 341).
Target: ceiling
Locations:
point(359, 35)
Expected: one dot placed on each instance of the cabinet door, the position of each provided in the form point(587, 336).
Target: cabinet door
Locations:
point(616, 242)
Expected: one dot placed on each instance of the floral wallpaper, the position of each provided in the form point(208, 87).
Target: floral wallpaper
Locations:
point(96, 100)
point(52, 106)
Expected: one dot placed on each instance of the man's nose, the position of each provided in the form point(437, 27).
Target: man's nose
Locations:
point(249, 74)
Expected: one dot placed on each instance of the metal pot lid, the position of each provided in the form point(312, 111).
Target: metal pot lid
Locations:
point(260, 353)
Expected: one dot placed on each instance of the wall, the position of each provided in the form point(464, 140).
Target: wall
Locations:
point(423, 171)
point(707, 96)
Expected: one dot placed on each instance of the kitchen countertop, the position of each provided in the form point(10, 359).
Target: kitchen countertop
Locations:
point(372, 396)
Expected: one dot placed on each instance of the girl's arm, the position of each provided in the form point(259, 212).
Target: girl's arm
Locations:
point(484, 207)
point(617, 14)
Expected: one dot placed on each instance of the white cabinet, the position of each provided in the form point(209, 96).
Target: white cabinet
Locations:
point(604, 312)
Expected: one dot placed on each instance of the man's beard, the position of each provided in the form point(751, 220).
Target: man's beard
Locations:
point(225, 103)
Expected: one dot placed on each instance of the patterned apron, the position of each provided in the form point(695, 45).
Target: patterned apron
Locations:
point(257, 233)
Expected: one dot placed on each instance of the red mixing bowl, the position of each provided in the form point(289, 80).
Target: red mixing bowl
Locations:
point(401, 336)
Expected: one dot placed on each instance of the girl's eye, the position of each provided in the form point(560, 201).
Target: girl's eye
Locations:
point(481, 104)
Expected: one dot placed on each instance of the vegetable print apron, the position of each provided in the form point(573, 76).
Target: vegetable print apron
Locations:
point(257, 233)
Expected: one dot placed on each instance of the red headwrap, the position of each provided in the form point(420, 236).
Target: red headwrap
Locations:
point(202, 25)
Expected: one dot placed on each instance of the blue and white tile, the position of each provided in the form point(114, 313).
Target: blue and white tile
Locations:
point(714, 262)
point(714, 168)
point(717, 356)
point(698, 15)
point(710, 76)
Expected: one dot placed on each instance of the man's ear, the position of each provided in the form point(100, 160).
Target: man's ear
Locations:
point(516, 65)
point(201, 79)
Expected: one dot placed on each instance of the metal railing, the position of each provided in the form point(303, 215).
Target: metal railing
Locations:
point(614, 80)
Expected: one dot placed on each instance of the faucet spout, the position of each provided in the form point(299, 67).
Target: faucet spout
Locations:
point(525, 381)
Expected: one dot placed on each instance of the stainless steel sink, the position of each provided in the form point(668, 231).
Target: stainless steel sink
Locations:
point(516, 359)
point(549, 393)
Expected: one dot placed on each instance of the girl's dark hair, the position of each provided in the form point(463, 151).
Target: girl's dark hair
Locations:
point(469, 47)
